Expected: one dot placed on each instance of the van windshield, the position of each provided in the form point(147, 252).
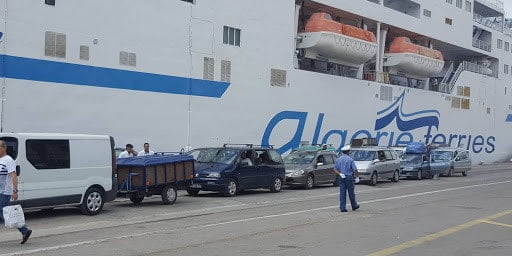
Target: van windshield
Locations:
point(299, 158)
point(214, 155)
point(362, 155)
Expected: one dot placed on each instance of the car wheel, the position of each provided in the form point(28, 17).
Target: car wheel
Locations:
point(396, 176)
point(464, 174)
point(310, 182)
point(276, 185)
point(450, 172)
point(374, 179)
point(193, 192)
point(93, 202)
point(419, 175)
point(231, 188)
point(336, 182)
point(169, 195)
point(136, 199)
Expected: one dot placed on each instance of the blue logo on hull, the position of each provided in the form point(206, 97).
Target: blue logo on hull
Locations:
point(406, 122)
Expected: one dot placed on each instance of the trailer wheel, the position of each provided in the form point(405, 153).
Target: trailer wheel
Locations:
point(136, 199)
point(169, 195)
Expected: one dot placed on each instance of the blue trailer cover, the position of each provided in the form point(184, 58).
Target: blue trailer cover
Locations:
point(153, 160)
point(416, 148)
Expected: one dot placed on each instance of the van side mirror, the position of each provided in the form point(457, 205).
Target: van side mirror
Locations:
point(376, 161)
point(457, 159)
point(319, 164)
point(18, 170)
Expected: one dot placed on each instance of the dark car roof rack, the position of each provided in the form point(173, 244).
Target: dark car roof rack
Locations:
point(248, 145)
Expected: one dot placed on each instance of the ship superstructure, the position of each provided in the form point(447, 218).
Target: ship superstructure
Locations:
point(198, 73)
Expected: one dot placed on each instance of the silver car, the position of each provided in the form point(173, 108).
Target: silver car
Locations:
point(450, 161)
point(375, 163)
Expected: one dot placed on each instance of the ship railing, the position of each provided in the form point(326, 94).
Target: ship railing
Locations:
point(381, 77)
point(471, 67)
point(447, 75)
point(508, 31)
point(482, 45)
point(490, 22)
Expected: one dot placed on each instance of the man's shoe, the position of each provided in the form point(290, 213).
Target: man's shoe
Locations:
point(355, 208)
point(26, 236)
point(344, 210)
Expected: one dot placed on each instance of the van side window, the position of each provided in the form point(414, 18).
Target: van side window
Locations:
point(389, 155)
point(48, 154)
point(329, 159)
point(11, 145)
point(275, 157)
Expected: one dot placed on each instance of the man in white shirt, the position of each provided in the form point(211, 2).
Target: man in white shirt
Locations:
point(245, 158)
point(146, 151)
point(9, 186)
point(129, 152)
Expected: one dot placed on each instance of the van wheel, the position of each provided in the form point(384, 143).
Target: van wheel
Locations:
point(310, 182)
point(396, 176)
point(374, 178)
point(192, 192)
point(93, 202)
point(231, 188)
point(276, 185)
point(169, 195)
point(464, 174)
point(450, 172)
point(419, 176)
point(136, 199)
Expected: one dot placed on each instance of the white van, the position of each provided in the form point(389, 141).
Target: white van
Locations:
point(63, 170)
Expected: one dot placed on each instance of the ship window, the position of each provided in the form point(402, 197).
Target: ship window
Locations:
point(386, 93)
point(465, 104)
point(84, 52)
point(507, 46)
point(489, 111)
point(127, 59)
point(458, 3)
point(449, 1)
point(505, 69)
point(49, 2)
point(189, 1)
point(455, 102)
point(448, 21)
point(499, 44)
point(55, 44)
point(231, 36)
point(427, 13)
point(468, 6)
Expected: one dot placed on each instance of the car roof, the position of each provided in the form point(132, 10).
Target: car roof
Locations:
point(236, 148)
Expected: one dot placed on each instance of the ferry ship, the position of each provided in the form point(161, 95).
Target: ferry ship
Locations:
point(191, 73)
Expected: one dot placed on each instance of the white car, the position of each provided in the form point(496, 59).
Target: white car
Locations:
point(375, 163)
point(63, 170)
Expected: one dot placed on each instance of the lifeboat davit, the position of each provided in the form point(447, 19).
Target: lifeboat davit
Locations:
point(328, 40)
point(413, 60)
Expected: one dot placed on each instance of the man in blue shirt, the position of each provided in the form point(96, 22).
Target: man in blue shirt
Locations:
point(346, 168)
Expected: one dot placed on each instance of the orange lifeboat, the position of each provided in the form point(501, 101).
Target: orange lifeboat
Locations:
point(336, 42)
point(412, 59)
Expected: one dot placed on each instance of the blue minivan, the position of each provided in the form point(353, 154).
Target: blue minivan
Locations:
point(230, 169)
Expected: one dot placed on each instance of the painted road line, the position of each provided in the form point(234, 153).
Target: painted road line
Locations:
point(496, 223)
point(413, 243)
point(92, 242)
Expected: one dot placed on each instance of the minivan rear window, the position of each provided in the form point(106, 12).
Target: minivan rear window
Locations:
point(48, 154)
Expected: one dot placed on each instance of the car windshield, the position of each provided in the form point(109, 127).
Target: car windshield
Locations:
point(441, 156)
point(411, 158)
point(299, 158)
point(215, 155)
point(362, 155)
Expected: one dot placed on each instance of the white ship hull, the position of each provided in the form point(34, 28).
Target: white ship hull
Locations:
point(166, 101)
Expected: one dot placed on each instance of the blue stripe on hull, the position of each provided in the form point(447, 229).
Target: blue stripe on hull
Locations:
point(68, 73)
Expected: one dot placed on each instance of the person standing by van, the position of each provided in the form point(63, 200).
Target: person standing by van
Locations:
point(129, 152)
point(146, 151)
point(9, 186)
point(346, 168)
